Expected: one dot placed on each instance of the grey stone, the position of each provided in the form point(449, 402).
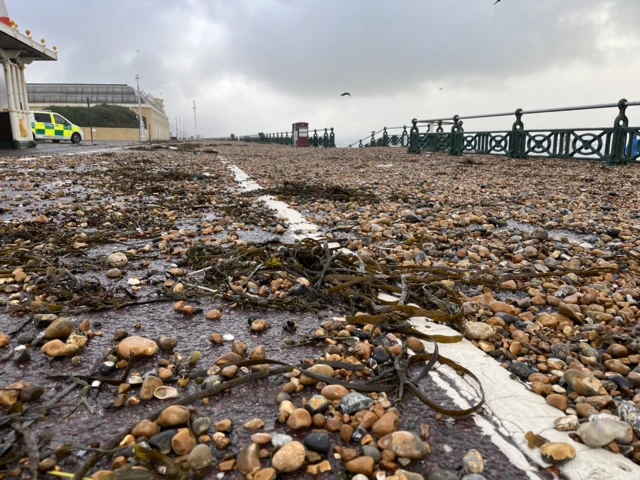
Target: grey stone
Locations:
point(297, 290)
point(473, 476)
point(603, 430)
point(630, 414)
point(280, 439)
point(282, 396)
point(478, 331)
point(200, 457)
point(31, 394)
point(373, 452)
point(21, 355)
point(25, 338)
point(211, 381)
point(317, 442)
point(540, 233)
point(442, 474)
point(201, 425)
point(354, 402)
point(521, 370)
point(162, 441)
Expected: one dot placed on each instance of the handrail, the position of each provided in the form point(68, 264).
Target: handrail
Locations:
point(532, 112)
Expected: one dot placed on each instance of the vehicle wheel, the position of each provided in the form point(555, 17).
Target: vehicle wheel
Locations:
point(75, 138)
point(55, 141)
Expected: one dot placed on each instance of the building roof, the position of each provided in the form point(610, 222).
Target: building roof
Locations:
point(77, 93)
point(11, 39)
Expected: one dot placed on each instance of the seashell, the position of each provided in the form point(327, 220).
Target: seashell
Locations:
point(165, 393)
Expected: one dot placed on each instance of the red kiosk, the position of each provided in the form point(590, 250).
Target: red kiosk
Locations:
point(300, 134)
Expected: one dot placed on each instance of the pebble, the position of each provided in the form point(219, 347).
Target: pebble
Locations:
point(117, 259)
point(166, 344)
point(569, 423)
point(334, 392)
point(21, 355)
point(4, 340)
point(300, 418)
point(113, 273)
point(138, 345)
point(145, 428)
point(630, 413)
point(317, 404)
point(31, 393)
point(404, 444)
point(289, 458)
point(56, 348)
point(354, 402)
point(248, 459)
point(162, 441)
point(280, 439)
point(442, 474)
point(173, 416)
point(201, 425)
point(478, 331)
point(363, 465)
point(387, 424)
point(521, 370)
point(59, 329)
point(183, 442)
point(254, 424)
point(372, 452)
point(317, 442)
point(200, 457)
point(472, 462)
point(557, 453)
point(602, 431)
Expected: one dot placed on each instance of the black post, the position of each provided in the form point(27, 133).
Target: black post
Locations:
point(90, 122)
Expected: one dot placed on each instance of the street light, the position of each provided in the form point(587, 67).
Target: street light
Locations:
point(143, 133)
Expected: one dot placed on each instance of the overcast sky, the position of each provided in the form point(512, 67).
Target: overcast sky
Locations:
point(260, 65)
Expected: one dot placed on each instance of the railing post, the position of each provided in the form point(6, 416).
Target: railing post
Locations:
point(332, 139)
point(360, 146)
point(315, 138)
point(404, 142)
point(517, 145)
point(326, 138)
point(414, 138)
point(372, 143)
point(456, 140)
point(619, 136)
point(385, 138)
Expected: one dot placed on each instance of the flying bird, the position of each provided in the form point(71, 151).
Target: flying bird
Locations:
point(345, 93)
point(138, 51)
point(497, 2)
point(440, 88)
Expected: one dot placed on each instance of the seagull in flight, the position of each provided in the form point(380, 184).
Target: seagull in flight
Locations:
point(345, 93)
point(440, 88)
point(497, 2)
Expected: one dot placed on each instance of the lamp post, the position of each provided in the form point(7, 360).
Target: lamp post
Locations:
point(143, 133)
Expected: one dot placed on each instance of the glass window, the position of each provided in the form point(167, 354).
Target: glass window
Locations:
point(43, 117)
point(60, 120)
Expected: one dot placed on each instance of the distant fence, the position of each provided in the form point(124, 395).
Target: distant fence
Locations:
point(615, 145)
point(328, 140)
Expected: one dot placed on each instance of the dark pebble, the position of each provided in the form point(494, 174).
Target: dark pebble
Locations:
point(21, 355)
point(297, 290)
point(162, 441)
point(358, 434)
point(317, 442)
point(25, 338)
point(380, 355)
point(31, 394)
point(521, 370)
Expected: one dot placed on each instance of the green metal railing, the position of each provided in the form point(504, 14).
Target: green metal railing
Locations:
point(328, 140)
point(615, 145)
point(384, 139)
point(281, 138)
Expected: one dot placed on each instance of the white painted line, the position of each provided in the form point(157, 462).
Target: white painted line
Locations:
point(515, 410)
point(298, 224)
